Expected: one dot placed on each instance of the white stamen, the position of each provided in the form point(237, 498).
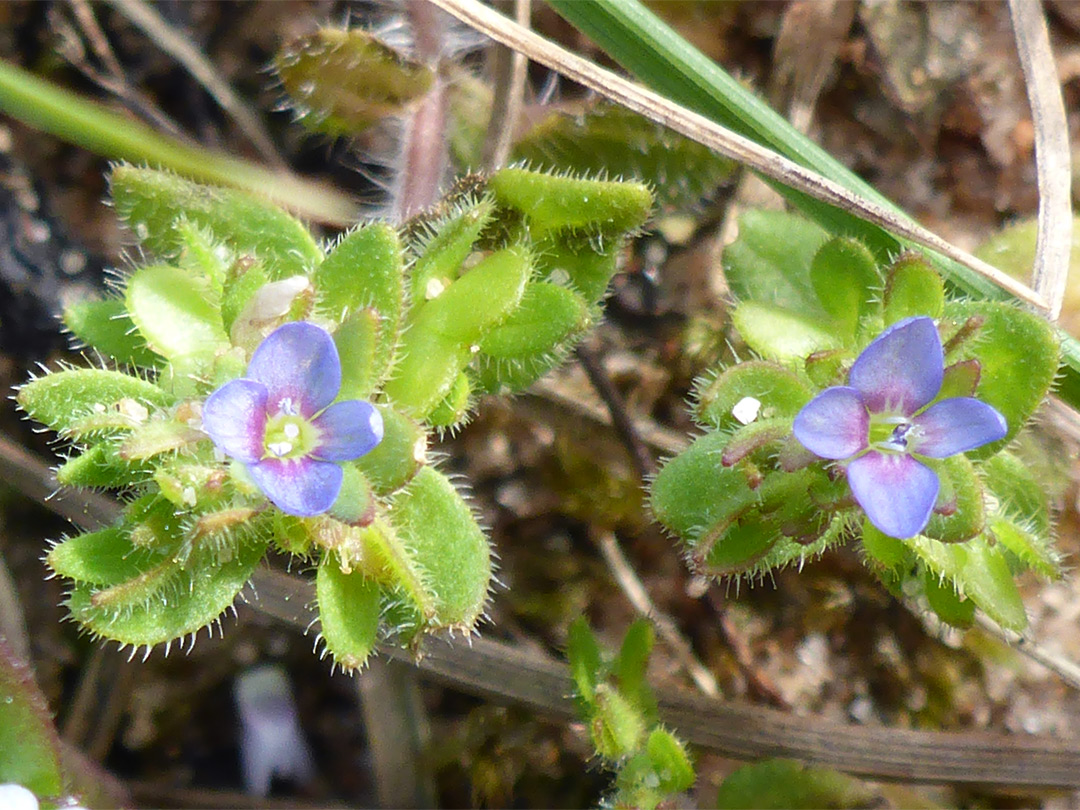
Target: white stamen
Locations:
point(746, 410)
point(291, 430)
point(280, 448)
point(288, 407)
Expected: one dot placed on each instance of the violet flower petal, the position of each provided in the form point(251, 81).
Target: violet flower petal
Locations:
point(834, 424)
point(956, 426)
point(298, 361)
point(234, 416)
point(349, 430)
point(902, 369)
point(299, 486)
point(896, 492)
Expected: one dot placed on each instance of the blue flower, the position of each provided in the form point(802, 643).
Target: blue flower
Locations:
point(879, 425)
point(279, 421)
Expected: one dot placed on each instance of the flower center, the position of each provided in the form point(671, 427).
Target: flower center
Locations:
point(892, 434)
point(289, 435)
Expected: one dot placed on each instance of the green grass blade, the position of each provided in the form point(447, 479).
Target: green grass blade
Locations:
point(43, 105)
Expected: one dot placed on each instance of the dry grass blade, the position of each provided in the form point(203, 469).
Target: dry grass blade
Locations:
point(724, 141)
point(1052, 158)
point(509, 69)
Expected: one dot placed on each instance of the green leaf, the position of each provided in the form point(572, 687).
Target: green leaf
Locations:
point(442, 536)
point(611, 141)
point(774, 784)
point(349, 609)
point(243, 280)
point(574, 261)
point(402, 451)
point(618, 728)
point(363, 271)
point(547, 316)
point(670, 761)
point(946, 602)
point(61, 398)
point(99, 466)
point(442, 247)
point(980, 573)
point(1021, 522)
point(104, 557)
point(884, 552)
point(455, 405)
point(195, 600)
point(770, 261)
point(340, 82)
point(154, 204)
point(694, 494)
point(1019, 356)
point(439, 343)
point(630, 668)
point(355, 503)
point(912, 288)
point(357, 341)
point(962, 489)
point(106, 326)
point(558, 203)
point(776, 391)
point(845, 277)
point(586, 662)
point(174, 313)
point(781, 335)
point(29, 744)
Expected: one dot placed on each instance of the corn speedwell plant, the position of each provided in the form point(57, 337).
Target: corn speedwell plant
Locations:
point(261, 391)
point(875, 409)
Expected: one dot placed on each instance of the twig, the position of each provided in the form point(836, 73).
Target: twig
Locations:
point(101, 698)
point(720, 139)
point(1052, 156)
point(398, 733)
point(503, 673)
point(194, 62)
point(644, 464)
point(634, 590)
point(424, 151)
point(12, 621)
point(95, 36)
point(1061, 666)
point(506, 674)
point(509, 69)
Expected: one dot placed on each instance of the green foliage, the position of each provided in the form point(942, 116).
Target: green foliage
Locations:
point(155, 205)
point(1018, 356)
point(769, 262)
point(844, 275)
point(552, 203)
point(340, 82)
point(349, 611)
point(614, 699)
point(106, 326)
point(608, 139)
point(28, 740)
point(746, 497)
point(774, 784)
point(777, 392)
point(456, 301)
